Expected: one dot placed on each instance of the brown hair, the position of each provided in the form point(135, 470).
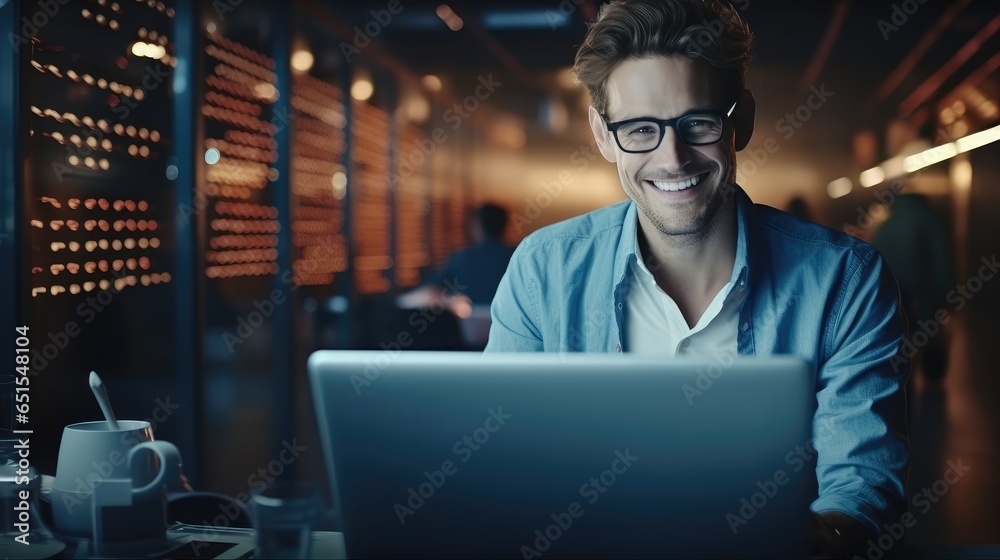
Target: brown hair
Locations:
point(626, 29)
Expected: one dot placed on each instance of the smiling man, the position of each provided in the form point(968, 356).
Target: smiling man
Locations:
point(690, 266)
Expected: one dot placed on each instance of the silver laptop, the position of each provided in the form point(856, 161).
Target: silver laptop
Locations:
point(434, 454)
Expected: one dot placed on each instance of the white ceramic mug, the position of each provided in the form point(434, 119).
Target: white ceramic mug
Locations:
point(90, 452)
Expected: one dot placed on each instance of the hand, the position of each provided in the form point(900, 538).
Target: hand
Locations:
point(836, 535)
point(824, 542)
point(460, 306)
point(430, 296)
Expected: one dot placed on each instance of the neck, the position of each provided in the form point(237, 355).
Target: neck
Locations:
point(692, 268)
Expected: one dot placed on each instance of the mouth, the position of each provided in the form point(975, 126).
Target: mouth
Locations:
point(678, 186)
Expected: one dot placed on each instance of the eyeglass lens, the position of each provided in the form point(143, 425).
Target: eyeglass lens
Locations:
point(692, 129)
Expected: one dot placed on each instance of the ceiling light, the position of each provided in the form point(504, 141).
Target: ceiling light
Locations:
point(871, 177)
point(432, 82)
point(979, 139)
point(839, 187)
point(302, 60)
point(449, 17)
point(362, 89)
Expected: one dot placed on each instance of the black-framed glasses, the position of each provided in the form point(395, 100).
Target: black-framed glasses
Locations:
point(644, 134)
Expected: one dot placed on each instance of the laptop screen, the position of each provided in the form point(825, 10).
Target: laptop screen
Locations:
point(525, 455)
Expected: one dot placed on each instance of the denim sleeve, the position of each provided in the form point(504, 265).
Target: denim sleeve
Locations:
point(513, 314)
point(860, 431)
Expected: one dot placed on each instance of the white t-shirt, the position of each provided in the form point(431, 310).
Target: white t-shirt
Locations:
point(654, 323)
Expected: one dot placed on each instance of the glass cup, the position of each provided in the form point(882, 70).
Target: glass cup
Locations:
point(284, 515)
point(20, 523)
point(7, 426)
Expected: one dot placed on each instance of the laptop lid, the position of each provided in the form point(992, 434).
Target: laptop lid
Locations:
point(566, 455)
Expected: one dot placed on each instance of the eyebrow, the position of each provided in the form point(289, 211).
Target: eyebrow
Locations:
point(691, 111)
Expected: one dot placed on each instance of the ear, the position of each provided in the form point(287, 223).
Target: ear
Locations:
point(605, 140)
point(746, 109)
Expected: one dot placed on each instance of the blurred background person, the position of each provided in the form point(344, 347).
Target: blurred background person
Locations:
point(468, 281)
point(914, 242)
point(799, 207)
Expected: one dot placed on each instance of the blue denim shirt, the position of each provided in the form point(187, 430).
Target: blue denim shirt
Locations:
point(812, 292)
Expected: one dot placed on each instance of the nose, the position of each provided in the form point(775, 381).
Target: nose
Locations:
point(672, 154)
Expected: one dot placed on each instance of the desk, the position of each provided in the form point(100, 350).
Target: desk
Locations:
point(197, 539)
point(942, 551)
point(331, 545)
point(183, 541)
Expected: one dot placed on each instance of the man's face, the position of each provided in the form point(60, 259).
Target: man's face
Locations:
point(678, 189)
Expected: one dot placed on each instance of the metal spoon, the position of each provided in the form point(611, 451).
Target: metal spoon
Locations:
point(102, 399)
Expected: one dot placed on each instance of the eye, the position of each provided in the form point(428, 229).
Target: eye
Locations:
point(640, 129)
point(697, 124)
point(700, 125)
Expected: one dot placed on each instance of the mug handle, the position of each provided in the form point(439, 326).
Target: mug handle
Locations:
point(170, 465)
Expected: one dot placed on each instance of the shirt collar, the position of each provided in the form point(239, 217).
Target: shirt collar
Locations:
point(626, 250)
point(628, 246)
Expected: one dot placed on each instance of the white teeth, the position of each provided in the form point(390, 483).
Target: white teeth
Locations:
point(673, 187)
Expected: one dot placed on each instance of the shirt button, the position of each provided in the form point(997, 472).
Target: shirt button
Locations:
point(619, 306)
point(744, 326)
point(618, 347)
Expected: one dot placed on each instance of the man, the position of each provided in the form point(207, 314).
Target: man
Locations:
point(914, 242)
point(690, 266)
point(468, 281)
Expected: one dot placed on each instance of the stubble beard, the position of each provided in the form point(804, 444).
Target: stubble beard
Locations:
point(694, 227)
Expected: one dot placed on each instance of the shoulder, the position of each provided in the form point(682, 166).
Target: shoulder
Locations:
point(791, 233)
